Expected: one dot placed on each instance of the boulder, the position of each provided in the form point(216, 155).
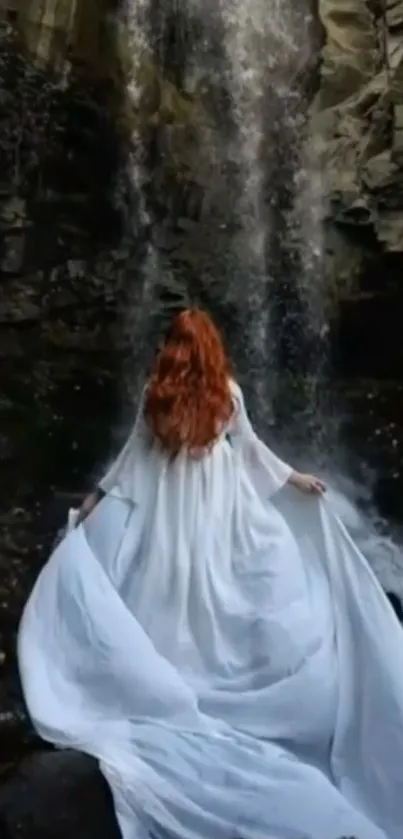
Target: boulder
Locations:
point(57, 795)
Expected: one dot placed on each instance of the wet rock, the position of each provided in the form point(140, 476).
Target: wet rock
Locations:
point(365, 345)
point(369, 424)
point(18, 302)
point(357, 123)
point(17, 736)
point(57, 795)
point(13, 255)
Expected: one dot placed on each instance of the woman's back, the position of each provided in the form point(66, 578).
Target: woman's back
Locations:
point(199, 518)
point(213, 654)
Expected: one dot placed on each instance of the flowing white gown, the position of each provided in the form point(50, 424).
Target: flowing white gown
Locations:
point(223, 649)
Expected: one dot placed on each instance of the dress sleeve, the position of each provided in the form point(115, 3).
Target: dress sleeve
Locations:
point(266, 471)
point(127, 474)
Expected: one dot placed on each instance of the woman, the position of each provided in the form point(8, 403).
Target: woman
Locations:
point(214, 639)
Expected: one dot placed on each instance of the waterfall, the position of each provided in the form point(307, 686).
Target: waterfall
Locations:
point(281, 283)
point(245, 26)
point(229, 211)
point(245, 55)
point(135, 37)
point(258, 40)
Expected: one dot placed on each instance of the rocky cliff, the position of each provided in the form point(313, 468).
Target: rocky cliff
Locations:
point(61, 257)
point(356, 137)
point(358, 116)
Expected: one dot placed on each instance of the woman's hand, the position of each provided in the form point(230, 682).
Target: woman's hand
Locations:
point(307, 483)
point(87, 506)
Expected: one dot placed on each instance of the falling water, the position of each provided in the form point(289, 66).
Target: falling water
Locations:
point(261, 50)
point(306, 231)
point(257, 40)
point(267, 49)
point(245, 30)
point(136, 37)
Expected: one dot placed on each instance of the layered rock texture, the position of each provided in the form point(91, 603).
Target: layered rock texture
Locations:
point(359, 115)
point(357, 129)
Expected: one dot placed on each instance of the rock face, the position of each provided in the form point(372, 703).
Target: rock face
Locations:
point(357, 128)
point(61, 259)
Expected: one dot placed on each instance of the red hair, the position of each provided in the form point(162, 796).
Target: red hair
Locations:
point(188, 398)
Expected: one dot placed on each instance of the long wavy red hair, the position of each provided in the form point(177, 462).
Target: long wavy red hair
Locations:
point(188, 398)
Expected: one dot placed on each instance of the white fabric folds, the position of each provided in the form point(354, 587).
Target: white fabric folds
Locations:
point(219, 643)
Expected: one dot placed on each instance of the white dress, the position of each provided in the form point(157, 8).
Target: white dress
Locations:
point(221, 646)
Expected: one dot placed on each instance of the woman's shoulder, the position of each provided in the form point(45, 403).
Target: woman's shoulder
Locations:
point(236, 392)
point(234, 387)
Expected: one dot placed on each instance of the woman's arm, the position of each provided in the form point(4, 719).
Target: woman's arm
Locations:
point(267, 470)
